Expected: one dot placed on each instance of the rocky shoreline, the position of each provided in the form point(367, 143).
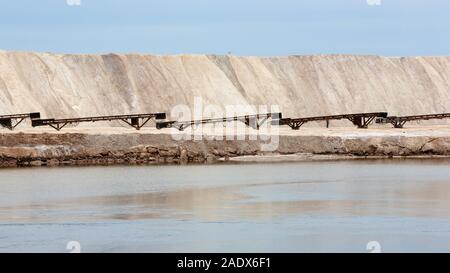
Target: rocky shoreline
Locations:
point(19, 149)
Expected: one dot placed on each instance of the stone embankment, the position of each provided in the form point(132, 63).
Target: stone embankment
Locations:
point(74, 148)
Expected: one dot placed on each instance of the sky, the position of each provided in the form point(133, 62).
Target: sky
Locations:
point(238, 27)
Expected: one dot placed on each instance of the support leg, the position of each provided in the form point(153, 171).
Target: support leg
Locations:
point(261, 122)
point(296, 125)
point(58, 126)
point(7, 123)
point(251, 122)
point(144, 121)
point(398, 124)
point(17, 123)
point(181, 127)
point(137, 125)
point(366, 122)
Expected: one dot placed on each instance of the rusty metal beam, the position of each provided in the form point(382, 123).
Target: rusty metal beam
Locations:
point(362, 120)
point(399, 121)
point(254, 121)
point(137, 121)
point(12, 121)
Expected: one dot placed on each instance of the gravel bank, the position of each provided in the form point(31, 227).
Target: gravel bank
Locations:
point(102, 146)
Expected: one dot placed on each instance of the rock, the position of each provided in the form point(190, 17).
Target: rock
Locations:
point(36, 163)
point(152, 150)
point(16, 152)
point(169, 160)
point(102, 149)
point(173, 152)
point(144, 155)
point(53, 162)
point(184, 156)
point(118, 154)
point(230, 150)
point(210, 159)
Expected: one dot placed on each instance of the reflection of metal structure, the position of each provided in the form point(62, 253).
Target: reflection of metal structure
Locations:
point(362, 120)
point(137, 121)
point(398, 122)
point(12, 121)
point(254, 121)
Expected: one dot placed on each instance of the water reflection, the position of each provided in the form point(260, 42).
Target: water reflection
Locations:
point(411, 199)
point(320, 206)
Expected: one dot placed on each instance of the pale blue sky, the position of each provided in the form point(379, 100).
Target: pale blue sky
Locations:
point(242, 27)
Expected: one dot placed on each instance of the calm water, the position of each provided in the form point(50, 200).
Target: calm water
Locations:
point(284, 207)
